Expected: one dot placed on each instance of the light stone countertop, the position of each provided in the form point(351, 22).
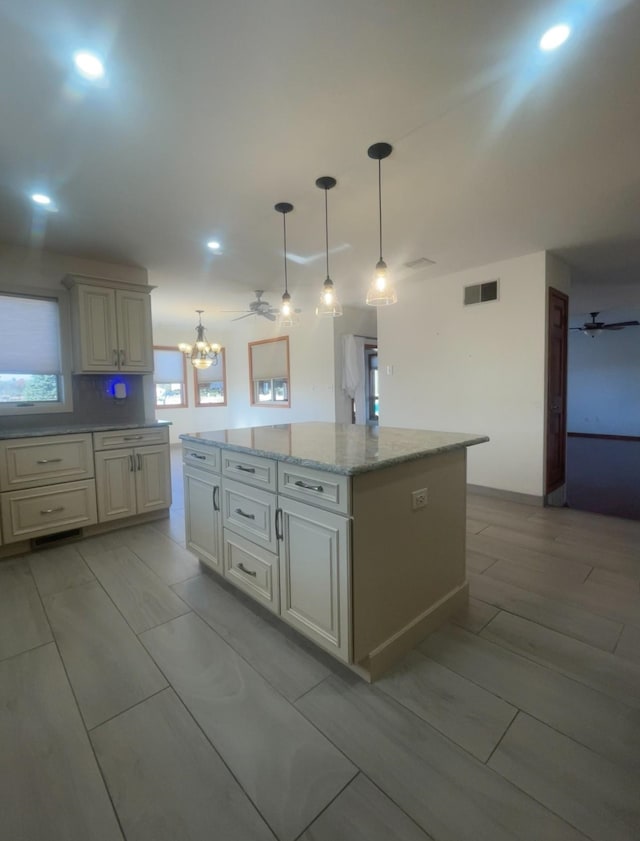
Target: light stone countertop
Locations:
point(338, 448)
point(74, 429)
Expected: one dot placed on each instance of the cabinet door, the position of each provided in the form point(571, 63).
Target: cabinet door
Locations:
point(115, 484)
point(96, 333)
point(153, 478)
point(203, 519)
point(314, 575)
point(135, 343)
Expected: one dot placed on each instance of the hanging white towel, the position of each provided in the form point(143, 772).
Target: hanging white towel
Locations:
point(352, 365)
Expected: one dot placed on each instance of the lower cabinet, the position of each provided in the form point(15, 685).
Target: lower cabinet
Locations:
point(252, 568)
point(39, 511)
point(132, 481)
point(203, 518)
point(314, 574)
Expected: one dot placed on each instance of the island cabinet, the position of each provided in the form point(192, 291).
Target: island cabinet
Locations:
point(111, 326)
point(133, 474)
point(324, 527)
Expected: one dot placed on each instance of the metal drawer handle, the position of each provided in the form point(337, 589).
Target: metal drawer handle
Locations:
point(243, 514)
point(279, 532)
point(139, 458)
point(245, 469)
point(115, 358)
point(52, 510)
point(247, 571)
point(198, 456)
point(133, 437)
point(216, 497)
point(122, 357)
point(48, 460)
point(304, 485)
point(132, 464)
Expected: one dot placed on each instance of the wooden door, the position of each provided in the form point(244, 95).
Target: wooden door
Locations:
point(203, 518)
point(135, 344)
point(153, 478)
point(115, 484)
point(556, 438)
point(314, 577)
point(97, 340)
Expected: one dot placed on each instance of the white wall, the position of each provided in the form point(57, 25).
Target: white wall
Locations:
point(477, 369)
point(604, 371)
point(311, 359)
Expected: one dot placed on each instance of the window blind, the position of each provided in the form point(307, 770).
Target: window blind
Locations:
point(213, 374)
point(29, 335)
point(269, 360)
point(168, 366)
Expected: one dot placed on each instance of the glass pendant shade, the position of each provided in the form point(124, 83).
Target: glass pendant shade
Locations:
point(285, 318)
point(329, 305)
point(202, 353)
point(382, 291)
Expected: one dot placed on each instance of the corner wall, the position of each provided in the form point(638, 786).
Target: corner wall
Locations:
point(478, 369)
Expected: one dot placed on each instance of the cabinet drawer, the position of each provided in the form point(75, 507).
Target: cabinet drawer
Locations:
point(250, 512)
point(253, 569)
point(318, 487)
point(31, 513)
point(130, 438)
point(254, 470)
point(201, 456)
point(31, 462)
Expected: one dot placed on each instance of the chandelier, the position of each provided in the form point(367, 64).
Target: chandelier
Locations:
point(203, 354)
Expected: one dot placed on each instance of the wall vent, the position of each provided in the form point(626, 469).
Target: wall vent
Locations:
point(479, 293)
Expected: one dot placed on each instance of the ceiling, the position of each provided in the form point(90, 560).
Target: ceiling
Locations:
point(215, 111)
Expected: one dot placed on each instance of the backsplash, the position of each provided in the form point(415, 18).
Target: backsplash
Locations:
point(93, 402)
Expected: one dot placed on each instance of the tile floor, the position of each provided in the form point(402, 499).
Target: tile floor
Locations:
point(140, 698)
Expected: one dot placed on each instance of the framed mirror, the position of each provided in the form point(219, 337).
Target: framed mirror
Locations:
point(269, 373)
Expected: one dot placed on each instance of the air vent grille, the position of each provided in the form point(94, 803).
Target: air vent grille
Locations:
point(420, 263)
point(480, 293)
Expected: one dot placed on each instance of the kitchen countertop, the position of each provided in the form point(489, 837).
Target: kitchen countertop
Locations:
point(338, 448)
point(72, 429)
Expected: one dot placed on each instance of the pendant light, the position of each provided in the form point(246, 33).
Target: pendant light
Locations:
point(286, 309)
point(381, 290)
point(329, 304)
point(203, 354)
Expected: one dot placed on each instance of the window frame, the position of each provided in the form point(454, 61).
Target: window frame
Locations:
point(196, 384)
point(185, 382)
point(65, 404)
point(253, 383)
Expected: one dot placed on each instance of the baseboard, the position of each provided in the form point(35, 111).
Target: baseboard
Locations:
point(512, 496)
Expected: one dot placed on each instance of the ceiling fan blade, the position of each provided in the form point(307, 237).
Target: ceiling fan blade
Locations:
point(618, 325)
point(246, 315)
point(269, 315)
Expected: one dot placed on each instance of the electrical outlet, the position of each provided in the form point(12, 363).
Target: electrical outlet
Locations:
point(419, 498)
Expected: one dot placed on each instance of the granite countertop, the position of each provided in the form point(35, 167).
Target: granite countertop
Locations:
point(72, 429)
point(339, 448)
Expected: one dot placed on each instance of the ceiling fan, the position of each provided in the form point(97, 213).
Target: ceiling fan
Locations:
point(591, 328)
point(258, 307)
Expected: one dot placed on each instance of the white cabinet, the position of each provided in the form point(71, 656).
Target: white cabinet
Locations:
point(111, 327)
point(314, 574)
point(203, 518)
point(132, 480)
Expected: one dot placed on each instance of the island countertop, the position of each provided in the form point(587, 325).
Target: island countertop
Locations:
point(335, 447)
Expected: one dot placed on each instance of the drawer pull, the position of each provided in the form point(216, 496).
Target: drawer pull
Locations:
point(304, 485)
point(244, 469)
point(216, 497)
point(244, 514)
point(198, 456)
point(122, 357)
point(139, 461)
point(132, 464)
point(48, 460)
point(133, 437)
point(115, 358)
point(52, 510)
point(247, 571)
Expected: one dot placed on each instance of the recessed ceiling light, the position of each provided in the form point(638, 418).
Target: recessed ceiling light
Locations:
point(40, 198)
point(88, 65)
point(214, 245)
point(554, 37)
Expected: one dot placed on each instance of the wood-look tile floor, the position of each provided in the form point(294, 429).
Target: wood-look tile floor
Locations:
point(142, 699)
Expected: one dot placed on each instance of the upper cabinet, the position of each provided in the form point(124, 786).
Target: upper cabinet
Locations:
point(111, 326)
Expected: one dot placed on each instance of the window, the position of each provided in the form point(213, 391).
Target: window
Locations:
point(169, 377)
point(34, 374)
point(269, 372)
point(371, 385)
point(211, 383)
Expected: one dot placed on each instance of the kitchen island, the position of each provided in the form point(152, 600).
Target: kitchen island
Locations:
point(353, 535)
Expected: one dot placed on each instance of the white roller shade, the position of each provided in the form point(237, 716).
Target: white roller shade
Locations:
point(29, 335)
point(214, 373)
point(168, 366)
point(269, 360)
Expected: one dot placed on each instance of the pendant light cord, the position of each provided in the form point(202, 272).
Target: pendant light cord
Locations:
point(326, 229)
point(380, 202)
point(284, 226)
